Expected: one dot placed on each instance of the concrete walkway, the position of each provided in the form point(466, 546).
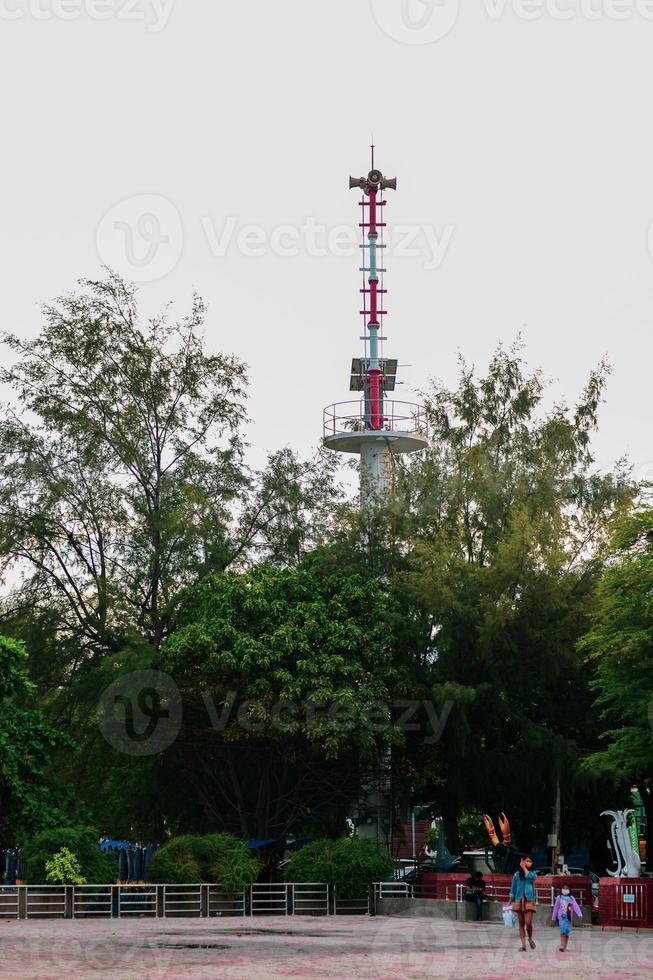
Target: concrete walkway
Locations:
point(377, 948)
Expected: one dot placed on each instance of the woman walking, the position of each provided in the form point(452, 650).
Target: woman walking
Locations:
point(523, 898)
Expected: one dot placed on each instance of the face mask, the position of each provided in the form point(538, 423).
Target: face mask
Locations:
point(565, 891)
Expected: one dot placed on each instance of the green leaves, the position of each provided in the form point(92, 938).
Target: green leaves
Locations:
point(122, 476)
point(279, 670)
point(620, 647)
point(281, 634)
point(64, 869)
point(215, 858)
point(29, 799)
point(44, 853)
point(120, 487)
point(503, 526)
point(350, 865)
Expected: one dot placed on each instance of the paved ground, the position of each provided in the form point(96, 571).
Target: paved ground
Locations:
point(379, 948)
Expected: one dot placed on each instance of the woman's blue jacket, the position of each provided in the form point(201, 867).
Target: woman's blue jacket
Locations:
point(523, 887)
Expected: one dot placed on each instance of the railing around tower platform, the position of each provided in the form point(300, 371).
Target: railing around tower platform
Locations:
point(401, 417)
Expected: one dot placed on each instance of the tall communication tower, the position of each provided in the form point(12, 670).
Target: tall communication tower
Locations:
point(374, 426)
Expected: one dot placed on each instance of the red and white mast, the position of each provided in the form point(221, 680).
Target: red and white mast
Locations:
point(374, 427)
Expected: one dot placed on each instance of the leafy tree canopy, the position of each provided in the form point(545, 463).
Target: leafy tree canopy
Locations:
point(82, 842)
point(288, 663)
point(349, 864)
point(123, 477)
point(123, 481)
point(619, 646)
point(29, 798)
point(509, 526)
point(64, 869)
point(493, 547)
point(215, 858)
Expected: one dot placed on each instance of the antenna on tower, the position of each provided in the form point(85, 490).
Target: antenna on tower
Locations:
point(374, 427)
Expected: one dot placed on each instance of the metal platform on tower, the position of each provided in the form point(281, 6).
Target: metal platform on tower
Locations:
point(403, 427)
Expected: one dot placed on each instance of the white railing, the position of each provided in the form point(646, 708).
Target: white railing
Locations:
point(182, 900)
point(501, 893)
point(179, 900)
point(8, 903)
point(309, 898)
point(269, 899)
point(139, 900)
point(220, 903)
point(46, 900)
point(351, 906)
point(92, 900)
point(393, 889)
point(206, 900)
point(396, 416)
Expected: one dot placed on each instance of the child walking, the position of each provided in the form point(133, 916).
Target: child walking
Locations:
point(564, 909)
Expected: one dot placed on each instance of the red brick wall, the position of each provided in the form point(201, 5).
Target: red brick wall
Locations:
point(616, 910)
point(443, 886)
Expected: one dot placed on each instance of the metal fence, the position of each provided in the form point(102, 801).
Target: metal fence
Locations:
point(182, 900)
point(140, 900)
point(455, 893)
point(8, 903)
point(220, 903)
point(393, 889)
point(270, 899)
point(47, 901)
point(92, 901)
point(176, 901)
point(545, 894)
point(626, 902)
point(352, 906)
point(309, 898)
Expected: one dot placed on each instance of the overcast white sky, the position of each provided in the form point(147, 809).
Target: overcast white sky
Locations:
point(148, 134)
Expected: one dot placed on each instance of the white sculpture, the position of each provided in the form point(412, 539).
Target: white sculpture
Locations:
point(628, 861)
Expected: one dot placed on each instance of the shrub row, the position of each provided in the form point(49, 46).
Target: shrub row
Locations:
point(70, 855)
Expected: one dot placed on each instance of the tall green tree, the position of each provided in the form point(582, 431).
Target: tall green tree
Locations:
point(122, 476)
point(287, 678)
point(123, 481)
point(30, 799)
point(507, 523)
point(619, 646)
point(289, 511)
point(493, 547)
point(119, 467)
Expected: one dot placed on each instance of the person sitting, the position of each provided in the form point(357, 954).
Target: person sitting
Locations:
point(475, 892)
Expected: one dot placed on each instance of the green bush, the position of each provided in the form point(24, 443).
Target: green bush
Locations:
point(471, 830)
point(82, 842)
point(350, 864)
point(178, 862)
point(218, 858)
point(431, 839)
point(64, 869)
